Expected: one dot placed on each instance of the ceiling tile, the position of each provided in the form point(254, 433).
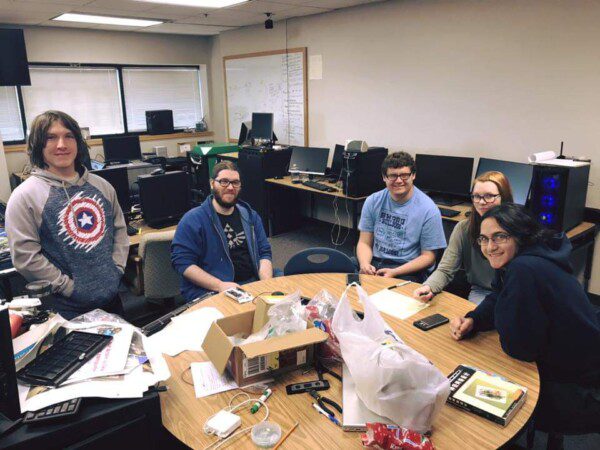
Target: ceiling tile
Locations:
point(298, 12)
point(183, 28)
point(34, 7)
point(177, 11)
point(120, 5)
point(55, 2)
point(228, 18)
point(259, 6)
point(8, 17)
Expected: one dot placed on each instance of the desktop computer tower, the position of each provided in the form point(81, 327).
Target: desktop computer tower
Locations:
point(558, 195)
point(361, 172)
point(9, 395)
point(255, 167)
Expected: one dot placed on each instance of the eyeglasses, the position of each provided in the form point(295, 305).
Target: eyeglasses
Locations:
point(498, 238)
point(224, 182)
point(487, 198)
point(394, 176)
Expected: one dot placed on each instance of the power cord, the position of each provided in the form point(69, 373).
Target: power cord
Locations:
point(335, 240)
point(231, 409)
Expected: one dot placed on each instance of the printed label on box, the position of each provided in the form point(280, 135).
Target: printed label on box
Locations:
point(254, 366)
point(301, 357)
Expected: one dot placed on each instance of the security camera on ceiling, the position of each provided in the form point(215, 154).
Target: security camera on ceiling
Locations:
point(269, 21)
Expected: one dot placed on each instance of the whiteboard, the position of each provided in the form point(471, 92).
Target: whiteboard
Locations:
point(271, 82)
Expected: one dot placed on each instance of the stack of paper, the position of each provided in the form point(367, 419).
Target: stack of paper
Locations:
point(123, 369)
point(396, 305)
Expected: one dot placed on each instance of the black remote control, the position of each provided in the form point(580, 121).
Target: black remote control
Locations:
point(53, 412)
point(299, 388)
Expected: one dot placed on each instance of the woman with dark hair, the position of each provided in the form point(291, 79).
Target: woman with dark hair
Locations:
point(65, 225)
point(490, 189)
point(542, 314)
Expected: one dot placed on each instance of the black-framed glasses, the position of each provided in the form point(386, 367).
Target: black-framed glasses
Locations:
point(224, 182)
point(498, 238)
point(487, 198)
point(394, 176)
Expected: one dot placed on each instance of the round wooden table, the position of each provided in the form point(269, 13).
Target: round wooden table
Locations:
point(184, 415)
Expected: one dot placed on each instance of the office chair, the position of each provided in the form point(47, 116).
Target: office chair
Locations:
point(319, 259)
point(157, 277)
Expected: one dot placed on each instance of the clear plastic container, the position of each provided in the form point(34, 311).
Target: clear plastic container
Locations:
point(266, 434)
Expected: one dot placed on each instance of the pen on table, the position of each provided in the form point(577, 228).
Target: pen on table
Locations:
point(329, 416)
point(263, 398)
point(404, 283)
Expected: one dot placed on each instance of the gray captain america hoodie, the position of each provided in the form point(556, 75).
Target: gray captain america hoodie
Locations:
point(72, 234)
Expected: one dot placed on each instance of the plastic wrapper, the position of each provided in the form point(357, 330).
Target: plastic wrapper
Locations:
point(284, 317)
point(392, 437)
point(319, 311)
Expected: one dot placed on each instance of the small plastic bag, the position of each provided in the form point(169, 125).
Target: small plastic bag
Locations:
point(319, 311)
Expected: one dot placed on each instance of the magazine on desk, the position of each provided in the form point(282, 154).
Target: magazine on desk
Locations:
point(485, 394)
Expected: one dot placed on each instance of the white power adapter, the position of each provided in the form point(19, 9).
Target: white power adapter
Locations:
point(222, 424)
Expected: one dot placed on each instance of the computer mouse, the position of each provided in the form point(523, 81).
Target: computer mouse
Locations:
point(277, 293)
point(158, 171)
point(467, 213)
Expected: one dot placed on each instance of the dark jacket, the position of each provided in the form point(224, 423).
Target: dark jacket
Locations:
point(542, 314)
point(200, 240)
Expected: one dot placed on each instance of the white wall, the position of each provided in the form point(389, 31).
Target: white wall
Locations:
point(499, 79)
point(71, 45)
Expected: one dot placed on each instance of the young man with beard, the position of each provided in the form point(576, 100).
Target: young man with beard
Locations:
point(221, 243)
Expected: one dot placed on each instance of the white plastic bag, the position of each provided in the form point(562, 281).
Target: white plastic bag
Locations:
point(392, 379)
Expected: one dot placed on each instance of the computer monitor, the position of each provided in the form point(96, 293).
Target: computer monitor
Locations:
point(9, 396)
point(164, 198)
point(118, 179)
point(122, 148)
point(262, 126)
point(519, 176)
point(337, 163)
point(309, 160)
point(447, 176)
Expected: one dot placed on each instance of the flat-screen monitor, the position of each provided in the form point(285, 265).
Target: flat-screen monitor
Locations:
point(518, 174)
point(310, 160)
point(337, 163)
point(262, 126)
point(164, 198)
point(118, 179)
point(446, 175)
point(122, 148)
point(14, 67)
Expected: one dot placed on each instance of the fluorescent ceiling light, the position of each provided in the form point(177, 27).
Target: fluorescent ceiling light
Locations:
point(106, 20)
point(198, 3)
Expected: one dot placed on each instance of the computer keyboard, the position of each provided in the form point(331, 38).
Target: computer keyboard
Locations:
point(319, 186)
point(449, 212)
point(64, 358)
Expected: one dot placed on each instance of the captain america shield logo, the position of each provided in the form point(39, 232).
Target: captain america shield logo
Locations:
point(83, 222)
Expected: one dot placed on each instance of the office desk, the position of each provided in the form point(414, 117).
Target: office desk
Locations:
point(581, 236)
point(276, 208)
point(183, 415)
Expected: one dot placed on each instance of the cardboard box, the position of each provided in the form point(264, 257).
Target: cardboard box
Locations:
point(257, 361)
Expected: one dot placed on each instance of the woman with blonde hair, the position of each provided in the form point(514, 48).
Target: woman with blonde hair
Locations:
point(490, 189)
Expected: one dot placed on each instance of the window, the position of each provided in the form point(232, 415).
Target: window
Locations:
point(148, 89)
point(11, 128)
point(91, 95)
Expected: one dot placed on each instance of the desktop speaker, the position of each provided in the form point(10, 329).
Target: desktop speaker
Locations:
point(361, 172)
point(159, 121)
point(558, 195)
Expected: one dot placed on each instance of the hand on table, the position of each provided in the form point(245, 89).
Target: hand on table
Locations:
point(460, 327)
point(368, 269)
point(423, 293)
point(228, 285)
point(386, 272)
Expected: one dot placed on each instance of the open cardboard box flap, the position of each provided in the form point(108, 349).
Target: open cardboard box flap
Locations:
point(285, 342)
point(217, 346)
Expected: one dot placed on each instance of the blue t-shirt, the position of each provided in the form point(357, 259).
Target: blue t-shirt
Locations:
point(401, 231)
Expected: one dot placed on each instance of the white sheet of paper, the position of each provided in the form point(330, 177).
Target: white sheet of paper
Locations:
point(396, 305)
point(185, 332)
point(207, 381)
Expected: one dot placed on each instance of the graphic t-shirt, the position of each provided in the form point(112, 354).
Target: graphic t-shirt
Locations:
point(401, 231)
point(237, 242)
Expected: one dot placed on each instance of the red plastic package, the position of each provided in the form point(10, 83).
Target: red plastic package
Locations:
point(392, 437)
